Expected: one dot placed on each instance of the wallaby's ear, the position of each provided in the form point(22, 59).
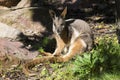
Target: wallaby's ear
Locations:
point(63, 14)
point(52, 14)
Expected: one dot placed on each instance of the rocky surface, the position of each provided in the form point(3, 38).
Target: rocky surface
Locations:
point(9, 32)
point(16, 49)
point(21, 20)
point(9, 3)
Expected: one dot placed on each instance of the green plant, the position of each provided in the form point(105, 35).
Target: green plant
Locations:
point(47, 45)
point(103, 58)
point(107, 76)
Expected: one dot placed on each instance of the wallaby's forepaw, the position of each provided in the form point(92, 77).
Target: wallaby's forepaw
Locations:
point(56, 55)
point(57, 59)
point(46, 53)
point(60, 59)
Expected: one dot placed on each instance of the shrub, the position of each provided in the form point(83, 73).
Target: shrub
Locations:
point(103, 58)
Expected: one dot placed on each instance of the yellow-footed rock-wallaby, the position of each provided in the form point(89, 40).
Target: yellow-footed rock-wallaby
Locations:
point(73, 36)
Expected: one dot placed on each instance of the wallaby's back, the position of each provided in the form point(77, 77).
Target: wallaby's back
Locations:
point(81, 26)
point(83, 29)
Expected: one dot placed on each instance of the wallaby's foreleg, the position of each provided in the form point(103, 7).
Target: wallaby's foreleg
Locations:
point(60, 46)
point(78, 46)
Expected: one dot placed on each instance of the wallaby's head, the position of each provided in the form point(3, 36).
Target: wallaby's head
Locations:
point(58, 21)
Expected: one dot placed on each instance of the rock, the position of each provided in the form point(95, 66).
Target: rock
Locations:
point(9, 32)
point(23, 20)
point(9, 3)
point(17, 49)
point(23, 3)
point(13, 53)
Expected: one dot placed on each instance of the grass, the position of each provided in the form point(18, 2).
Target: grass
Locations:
point(102, 63)
point(107, 76)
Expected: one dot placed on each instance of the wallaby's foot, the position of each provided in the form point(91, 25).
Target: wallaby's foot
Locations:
point(57, 59)
point(61, 59)
point(56, 54)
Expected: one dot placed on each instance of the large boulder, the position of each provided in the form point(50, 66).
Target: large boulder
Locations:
point(26, 20)
point(9, 32)
point(16, 49)
point(12, 53)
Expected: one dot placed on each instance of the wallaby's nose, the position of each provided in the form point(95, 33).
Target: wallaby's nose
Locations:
point(59, 31)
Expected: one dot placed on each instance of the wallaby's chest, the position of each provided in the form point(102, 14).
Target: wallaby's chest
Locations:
point(66, 35)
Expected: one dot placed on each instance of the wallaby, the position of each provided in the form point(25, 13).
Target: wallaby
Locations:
point(72, 36)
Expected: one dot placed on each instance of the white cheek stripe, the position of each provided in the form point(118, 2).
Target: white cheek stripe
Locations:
point(54, 28)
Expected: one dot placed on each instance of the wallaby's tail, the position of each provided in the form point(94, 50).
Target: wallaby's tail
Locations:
point(32, 63)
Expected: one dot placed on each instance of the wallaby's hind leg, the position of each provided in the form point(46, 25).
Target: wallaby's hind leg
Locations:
point(78, 46)
point(60, 46)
